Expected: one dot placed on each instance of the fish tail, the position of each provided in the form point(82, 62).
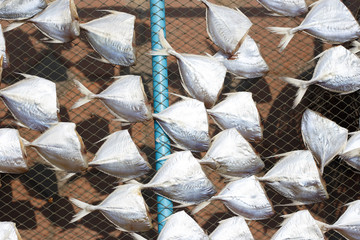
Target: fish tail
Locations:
point(355, 47)
point(164, 44)
point(288, 32)
point(199, 207)
point(85, 209)
point(302, 85)
point(87, 98)
point(13, 25)
point(136, 236)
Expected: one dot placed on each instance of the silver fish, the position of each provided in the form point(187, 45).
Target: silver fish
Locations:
point(120, 157)
point(290, 8)
point(231, 155)
point(245, 197)
point(299, 225)
point(20, 9)
point(182, 180)
point(231, 229)
point(201, 76)
point(238, 111)
point(13, 157)
point(62, 147)
point(348, 225)
point(59, 21)
point(246, 62)
point(8, 231)
point(181, 226)
point(186, 123)
point(338, 70)
point(226, 27)
point(323, 137)
point(3, 53)
point(113, 37)
point(125, 98)
point(328, 20)
point(32, 101)
point(297, 178)
point(125, 207)
point(351, 152)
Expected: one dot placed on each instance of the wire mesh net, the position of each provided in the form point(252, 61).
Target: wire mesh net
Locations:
point(38, 200)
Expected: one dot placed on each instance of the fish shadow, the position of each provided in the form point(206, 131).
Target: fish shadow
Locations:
point(101, 182)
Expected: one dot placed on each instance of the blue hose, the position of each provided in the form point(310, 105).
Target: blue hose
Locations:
point(161, 99)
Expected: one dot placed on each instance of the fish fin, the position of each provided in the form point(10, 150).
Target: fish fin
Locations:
point(355, 46)
point(279, 155)
point(239, 77)
point(314, 4)
point(302, 85)
point(199, 207)
point(350, 154)
point(20, 124)
point(85, 209)
point(26, 142)
point(180, 96)
point(13, 25)
point(123, 121)
point(67, 176)
point(164, 44)
point(108, 10)
point(183, 205)
point(294, 203)
point(324, 227)
point(175, 145)
point(288, 35)
point(49, 40)
point(230, 178)
point(353, 133)
point(88, 95)
point(274, 14)
point(101, 59)
point(136, 236)
point(318, 56)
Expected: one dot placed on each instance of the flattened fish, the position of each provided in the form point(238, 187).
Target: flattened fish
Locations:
point(201, 76)
point(299, 225)
point(181, 226)
point(113, 37)
point(238, 111)
point(120, 157)
point(3, 53)
point(8, 231)
point(125, 98)
point(328, 20)
point(62, 147)
point(245, 197)
point(246, 62)
point(59, 21)
point(226, 27)
point(12, 152)
point(323, 137)
point(20, 9)
point(231, 155)
point(297, 178)
point(182, 180)
point(186, 123)
point(351, 152)
point(32, 101)
point(231, 229)
point(125, 207)
point(290, 8)
point(338, 70)
point(348, 225)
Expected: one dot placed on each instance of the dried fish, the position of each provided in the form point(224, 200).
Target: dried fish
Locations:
point(231, 229)
point(290, 8)
point(328, 20)
point(351, 152)
point(62, 147)
point(182, 180)
point(125, 98)
point(32, 101)
point(297, 178)
point(226, 27)
point(231, 155)
point(8, 231)
point(113, 37)
point(125, 207)
point(338, 70)
point(13, 157)
point(323, 137)
point(181, 226)
point(246, 62)
point(245, 197)
point(299, 225)
point(3, 53)
point(120, 157)
point(201, 76)
point(238, 111)
point(20, 9)
point(186, 123)
point(59, 21)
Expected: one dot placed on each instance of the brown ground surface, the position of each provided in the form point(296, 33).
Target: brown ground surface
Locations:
point(38, 202)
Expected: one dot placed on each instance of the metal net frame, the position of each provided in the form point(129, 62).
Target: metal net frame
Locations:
point(38, 201)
